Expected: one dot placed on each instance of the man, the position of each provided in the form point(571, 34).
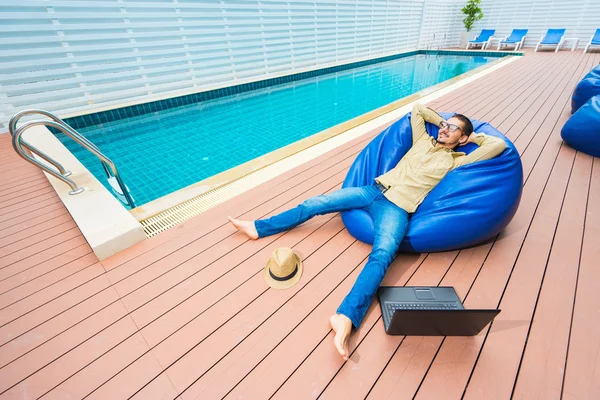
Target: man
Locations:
point(395, 195)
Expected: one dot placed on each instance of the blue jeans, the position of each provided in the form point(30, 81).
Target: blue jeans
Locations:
point(390, 223)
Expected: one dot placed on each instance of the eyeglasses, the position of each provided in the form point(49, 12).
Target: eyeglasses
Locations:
point(451, 127)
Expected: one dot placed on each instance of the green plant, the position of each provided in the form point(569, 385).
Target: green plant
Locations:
point(473, 13)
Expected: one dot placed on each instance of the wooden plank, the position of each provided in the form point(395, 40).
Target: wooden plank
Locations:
point(13, 180)
point(24, 241)
point(130, 380)
point(493, 81)
point(582, 375)
point(160, 388)
point(560, 93)
point(16, 197)
point(94, 375)
point(48, 244)
point(512, 111)
point(522, 84)
point(22, 207)
point(56, 367)
point(25, 187)
point(22, 230)
point(62, 325)
point(21, 376)
point(269, 299)
point(519, 89)
point(54, 255)
point(27, 221)
point(27, 207)
point(549, 333)
point(481, 92)
point(513, 107)
point(44, 305)
point(34, 280)
point(36, 187)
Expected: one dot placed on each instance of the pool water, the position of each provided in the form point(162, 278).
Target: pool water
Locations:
point(164, 151)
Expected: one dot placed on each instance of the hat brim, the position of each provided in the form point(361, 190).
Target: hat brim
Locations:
point(288, 283)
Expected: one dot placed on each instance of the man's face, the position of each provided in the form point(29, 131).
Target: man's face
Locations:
point(451, 134)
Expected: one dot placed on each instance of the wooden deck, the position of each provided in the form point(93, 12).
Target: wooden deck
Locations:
point(187, 314)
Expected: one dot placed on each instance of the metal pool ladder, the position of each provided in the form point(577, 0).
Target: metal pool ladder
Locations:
point(60, 173)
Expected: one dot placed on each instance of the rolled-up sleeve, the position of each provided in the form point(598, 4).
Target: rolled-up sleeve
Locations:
point(421, 114)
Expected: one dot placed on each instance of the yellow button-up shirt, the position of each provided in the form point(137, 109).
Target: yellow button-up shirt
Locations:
point(424, 165)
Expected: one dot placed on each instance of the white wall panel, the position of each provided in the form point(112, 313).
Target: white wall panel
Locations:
point(80, 55)
point(441, 24)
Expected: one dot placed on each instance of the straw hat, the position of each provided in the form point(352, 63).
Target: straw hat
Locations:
point(284, 269)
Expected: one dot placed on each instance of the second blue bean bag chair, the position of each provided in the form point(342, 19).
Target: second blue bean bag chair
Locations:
point(582, 130)
point(472, 204)
point(587, 88)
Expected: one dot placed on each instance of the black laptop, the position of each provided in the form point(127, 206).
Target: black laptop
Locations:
point(429, 311)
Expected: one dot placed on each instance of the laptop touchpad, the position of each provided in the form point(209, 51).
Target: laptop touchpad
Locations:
point(424, 294)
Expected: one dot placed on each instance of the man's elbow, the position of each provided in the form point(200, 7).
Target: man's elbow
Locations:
point(500, 147)
point(418, 107)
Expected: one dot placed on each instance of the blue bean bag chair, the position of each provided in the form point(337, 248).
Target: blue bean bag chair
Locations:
point(587, 88)
point(582, 130)
point(472, 204)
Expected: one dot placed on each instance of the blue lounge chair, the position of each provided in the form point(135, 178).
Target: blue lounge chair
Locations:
point(554, 37)
point(516, 38)
point(483, 39)
point(594, 41)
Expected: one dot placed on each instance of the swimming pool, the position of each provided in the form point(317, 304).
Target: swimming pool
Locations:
point(163, 151)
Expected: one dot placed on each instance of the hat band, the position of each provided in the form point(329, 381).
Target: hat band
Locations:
point(285, 278)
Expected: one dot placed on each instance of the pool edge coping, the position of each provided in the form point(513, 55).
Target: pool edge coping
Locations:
point(107, 226)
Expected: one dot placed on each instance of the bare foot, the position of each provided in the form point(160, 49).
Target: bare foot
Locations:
point(246, 227)
point(342, 326)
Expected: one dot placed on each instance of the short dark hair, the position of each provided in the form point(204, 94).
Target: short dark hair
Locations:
point(467, 124)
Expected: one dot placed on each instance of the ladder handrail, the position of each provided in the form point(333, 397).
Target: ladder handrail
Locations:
point(430, 45)
point(443, 44)
point(18, 144)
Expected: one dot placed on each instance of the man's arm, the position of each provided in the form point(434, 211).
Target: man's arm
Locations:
point(489, 147)
point(420, 115)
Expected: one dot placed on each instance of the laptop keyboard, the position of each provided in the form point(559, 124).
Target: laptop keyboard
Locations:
point(392, 307)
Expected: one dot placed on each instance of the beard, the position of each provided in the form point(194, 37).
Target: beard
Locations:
point(444, 140)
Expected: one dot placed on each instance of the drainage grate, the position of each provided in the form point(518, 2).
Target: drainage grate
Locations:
point(189, 209)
